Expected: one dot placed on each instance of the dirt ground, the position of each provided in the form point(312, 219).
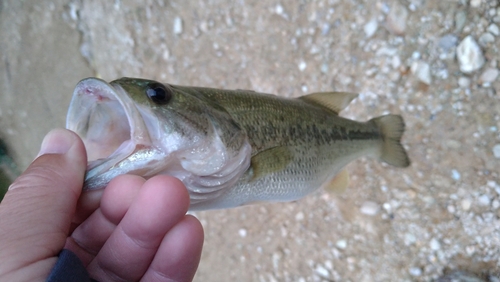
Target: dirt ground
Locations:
point(409, 57)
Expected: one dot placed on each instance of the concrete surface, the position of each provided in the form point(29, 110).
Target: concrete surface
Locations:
point(415, 224)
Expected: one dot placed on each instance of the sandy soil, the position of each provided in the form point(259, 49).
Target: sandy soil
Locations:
point(414, 224)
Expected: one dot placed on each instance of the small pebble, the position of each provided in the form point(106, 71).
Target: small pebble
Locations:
point(324, 67)
point(448, 41)
point(321, 271)
point(370, 28)
point(489, 75)
point(493, 29)
point(451, 209)
point(302, 66)
point(475, 3)
point(341, 244)
point(455, 174)
point(242, 232)
point(434, 244)
point(396, 20)
point(466, 204)
point(484, 200)
point(369, 208)
point(496, 151)
point(415, 271)
point(470, 55)
point(278, 9)
point(423, 71)
point(464, 82)
point(486, 38)
point(460, 20)
point(495, 204)
point(299, 216)
point(177, 25)
point(410, 239)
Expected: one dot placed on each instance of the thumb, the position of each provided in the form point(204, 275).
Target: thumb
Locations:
point(37, 210)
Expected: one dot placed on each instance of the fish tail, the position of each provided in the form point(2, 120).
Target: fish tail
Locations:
point(392, 128)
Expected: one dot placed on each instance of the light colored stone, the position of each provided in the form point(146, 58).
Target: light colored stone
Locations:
point(496, 151)
point(469, 55)
point(475, 3)
point(466, 204)
point(369, 208)
point(493, 29)
point(177, 25)
point(302, 66)
point(422, 71)
point(434, 244)
point(370, 28)
point(485, 39)
point(415, 271)
point(396, 20)
point(484, 200)
point(242, 232)
point(489, 75)
point(341, 244)
point(464, 82)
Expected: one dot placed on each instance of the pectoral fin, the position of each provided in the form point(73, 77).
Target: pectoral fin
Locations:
point(338, 184)
point(269, 161)
point(334, 101)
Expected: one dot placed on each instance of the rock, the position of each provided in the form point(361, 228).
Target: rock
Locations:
point(460, 20)
point(242, 232)
point(177, 25)
point(484, 200)
point(496, 151)
point(493, 29)
point(341, 244)
point(371, 27)
point(489, 75)
point(486, 38)
point(321, 271)
point(302, 66)
point(396, 20)
point(469, 55)
point(475, 3)
point(459, 276)
point(464, 82)
point(466, 204)
point(434, 244)
point(415, 271)
point(423, 71)
point(455, 174)
point(447, 42)
point(369, 208)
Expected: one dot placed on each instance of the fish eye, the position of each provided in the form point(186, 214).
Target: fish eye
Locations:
point(159, 93)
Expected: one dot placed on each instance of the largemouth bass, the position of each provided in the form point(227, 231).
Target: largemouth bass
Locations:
point(229, 147)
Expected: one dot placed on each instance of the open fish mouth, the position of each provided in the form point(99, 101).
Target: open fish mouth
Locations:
point(109, 123)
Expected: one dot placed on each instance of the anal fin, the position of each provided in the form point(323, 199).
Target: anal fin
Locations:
point(338, 184)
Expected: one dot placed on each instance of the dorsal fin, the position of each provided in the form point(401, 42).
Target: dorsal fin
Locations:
point(334, 101)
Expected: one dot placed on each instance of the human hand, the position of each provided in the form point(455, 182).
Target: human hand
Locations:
point(138, 230)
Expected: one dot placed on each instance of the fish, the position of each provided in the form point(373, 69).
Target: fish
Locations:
point(229, 147)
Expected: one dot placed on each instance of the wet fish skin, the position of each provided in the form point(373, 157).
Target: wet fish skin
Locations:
point(230, 147)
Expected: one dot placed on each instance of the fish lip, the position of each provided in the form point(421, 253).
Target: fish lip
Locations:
point(89, 94)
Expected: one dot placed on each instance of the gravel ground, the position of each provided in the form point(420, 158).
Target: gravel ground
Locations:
point(434, 62)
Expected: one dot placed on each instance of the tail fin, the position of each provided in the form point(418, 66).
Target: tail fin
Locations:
point(392, 128)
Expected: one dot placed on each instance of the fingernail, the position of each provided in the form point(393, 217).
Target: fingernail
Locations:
point(57, 141)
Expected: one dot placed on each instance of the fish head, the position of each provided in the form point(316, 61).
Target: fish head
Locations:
point(145, 127)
